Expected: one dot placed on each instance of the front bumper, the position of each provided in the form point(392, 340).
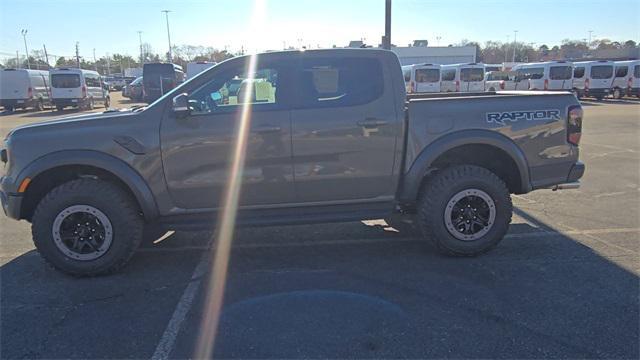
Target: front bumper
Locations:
point(11, 204)
point(597, 92)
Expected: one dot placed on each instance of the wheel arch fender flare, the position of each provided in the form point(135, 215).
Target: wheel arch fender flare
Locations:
point(123, 171)
point(422, 164)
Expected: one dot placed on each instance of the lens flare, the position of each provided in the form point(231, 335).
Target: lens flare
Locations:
point(227, 219)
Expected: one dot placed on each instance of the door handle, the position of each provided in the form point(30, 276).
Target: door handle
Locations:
point(266, 129)
point(372, 123)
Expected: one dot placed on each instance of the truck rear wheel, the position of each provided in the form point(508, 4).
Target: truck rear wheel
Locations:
point(465, 210)
point(87, 227)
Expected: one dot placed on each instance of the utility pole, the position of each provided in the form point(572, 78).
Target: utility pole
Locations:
point(26, 51)
point(108, 64)
point(166, 13)
point(78, 54)
point(589, 44)
point(141, 54)
point(46, 56)
point(17, 59)
point(515, 42)
point(386, 44)
point(95, 63)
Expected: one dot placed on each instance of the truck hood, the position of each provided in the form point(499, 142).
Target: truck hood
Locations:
point(74, 120)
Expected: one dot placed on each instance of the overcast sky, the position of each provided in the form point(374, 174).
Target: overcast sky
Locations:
point(111, 26)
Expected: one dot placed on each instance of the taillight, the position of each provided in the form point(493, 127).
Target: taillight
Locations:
point(501, 84)
point(84, 91)
point(586, 84)
point(457, 85)
point(29, 92)
point(546, 84)
point(574, 125)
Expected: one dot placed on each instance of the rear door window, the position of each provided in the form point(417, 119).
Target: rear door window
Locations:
point(92, 81)
point(472, 74)
point(601, 71)
point(338, 82)
point(65, 81)
point(448, 75)
point(560, 73)
point(427, 75)
point(622, 71)
point(636, 71)
point(578, 72)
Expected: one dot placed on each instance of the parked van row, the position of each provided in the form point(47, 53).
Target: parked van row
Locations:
point(430, 78)
point(59, 88)
point(596, 79)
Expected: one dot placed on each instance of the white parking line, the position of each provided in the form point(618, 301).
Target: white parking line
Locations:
point(165, 346)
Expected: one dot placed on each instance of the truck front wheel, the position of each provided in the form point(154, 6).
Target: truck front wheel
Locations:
point(465, 210)
point(87, 227)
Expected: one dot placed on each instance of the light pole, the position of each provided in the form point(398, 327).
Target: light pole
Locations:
point(141, 54)
point(26, 51)
point(166, 13)
point(387, 25)
point(589, 44)
point(515, 42)
point(95, 63)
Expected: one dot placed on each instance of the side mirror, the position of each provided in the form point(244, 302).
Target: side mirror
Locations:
point(181, 105)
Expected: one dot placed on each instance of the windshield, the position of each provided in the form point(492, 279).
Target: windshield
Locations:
point(560, 73)
point(493, 76)
point(472, 74)
point(602, 72)
point(65, 81)
point(427, 75)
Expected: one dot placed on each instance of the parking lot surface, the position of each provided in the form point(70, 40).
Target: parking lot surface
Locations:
point(563, 283)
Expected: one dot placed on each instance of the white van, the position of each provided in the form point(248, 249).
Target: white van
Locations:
point(593, 78)
point(462, 78)
point(627, 79)
point(77, 88)
point(548, 75)
point(503, 80)
point(422, 78)
point(22, 88)
point(195, 68)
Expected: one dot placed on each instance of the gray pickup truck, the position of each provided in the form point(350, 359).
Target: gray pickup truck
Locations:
point(330, 136)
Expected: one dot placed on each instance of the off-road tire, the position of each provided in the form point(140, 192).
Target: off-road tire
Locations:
point(440, 189)
point(59, 107)
point(120, 209)
point(8, 108)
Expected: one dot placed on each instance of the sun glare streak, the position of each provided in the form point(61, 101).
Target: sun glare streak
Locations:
point(227, 220)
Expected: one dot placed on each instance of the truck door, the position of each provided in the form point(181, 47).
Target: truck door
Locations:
point(197, 150)
point(343, 129)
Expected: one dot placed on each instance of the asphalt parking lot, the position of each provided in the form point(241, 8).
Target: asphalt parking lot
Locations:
point(563, 284)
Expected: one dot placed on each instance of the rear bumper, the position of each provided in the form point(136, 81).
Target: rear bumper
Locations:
point(633, 91)
point(575, 174)
point(69, 102)
point(16, 102)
